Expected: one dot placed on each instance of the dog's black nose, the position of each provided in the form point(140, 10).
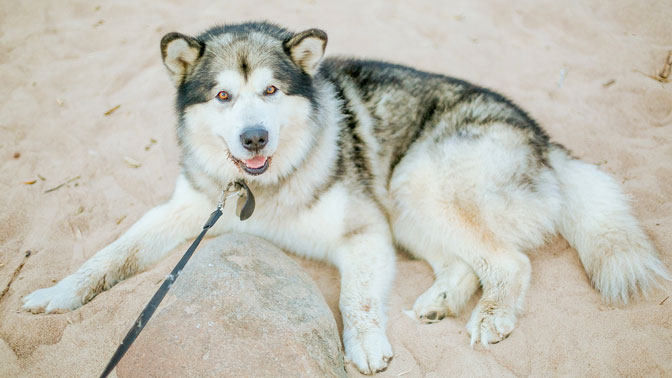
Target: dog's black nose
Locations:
point(254, 139)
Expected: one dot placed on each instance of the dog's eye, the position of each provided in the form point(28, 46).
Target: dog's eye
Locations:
point(271, 89)
point(223, 96)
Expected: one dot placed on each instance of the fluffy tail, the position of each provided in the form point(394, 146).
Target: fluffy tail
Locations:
point(597, 221)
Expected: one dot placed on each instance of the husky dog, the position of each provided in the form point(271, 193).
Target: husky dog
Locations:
point(346, 158)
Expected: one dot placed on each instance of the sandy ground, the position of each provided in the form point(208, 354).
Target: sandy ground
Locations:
point(83, 91)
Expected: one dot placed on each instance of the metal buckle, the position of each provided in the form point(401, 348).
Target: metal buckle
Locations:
point(231, 190)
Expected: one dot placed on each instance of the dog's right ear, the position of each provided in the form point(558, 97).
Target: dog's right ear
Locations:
point(180, 53)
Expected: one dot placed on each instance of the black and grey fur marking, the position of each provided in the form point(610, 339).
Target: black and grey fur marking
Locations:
point(421, 101)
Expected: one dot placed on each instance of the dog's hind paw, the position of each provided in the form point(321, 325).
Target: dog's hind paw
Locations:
point(490, 323)
point(370, 352)
point(431, 306)
point(61, 297)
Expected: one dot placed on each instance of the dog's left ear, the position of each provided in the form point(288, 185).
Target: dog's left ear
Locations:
point(307, 49)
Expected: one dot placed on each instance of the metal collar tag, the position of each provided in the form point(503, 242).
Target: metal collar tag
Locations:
point(245, 205)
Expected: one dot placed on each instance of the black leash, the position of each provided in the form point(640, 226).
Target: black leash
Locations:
point(244, 210)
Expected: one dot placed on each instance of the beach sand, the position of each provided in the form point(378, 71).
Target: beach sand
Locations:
point(86, 102)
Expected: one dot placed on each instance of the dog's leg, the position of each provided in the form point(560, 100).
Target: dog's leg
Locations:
point(487, 200)
point(366, 263)
point(146, 242)
point(454, 285)
point(505, 277)
point(462, 251)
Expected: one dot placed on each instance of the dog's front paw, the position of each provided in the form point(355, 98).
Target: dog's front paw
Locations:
point(491, 323)
point(64, 296)
point(369, 351)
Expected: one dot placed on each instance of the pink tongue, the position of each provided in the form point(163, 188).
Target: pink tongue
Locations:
point(256, 162)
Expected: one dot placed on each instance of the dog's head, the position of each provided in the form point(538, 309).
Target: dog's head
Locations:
point(245, 97)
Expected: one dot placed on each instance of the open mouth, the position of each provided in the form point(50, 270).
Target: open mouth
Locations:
point(255, 166)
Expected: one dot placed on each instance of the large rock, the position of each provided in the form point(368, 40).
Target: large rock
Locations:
point(240, 308)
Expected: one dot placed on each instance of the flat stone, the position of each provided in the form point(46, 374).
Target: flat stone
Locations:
point(240, 308)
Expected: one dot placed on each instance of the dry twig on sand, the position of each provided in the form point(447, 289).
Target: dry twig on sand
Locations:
point(63, 184)
point(107, 113)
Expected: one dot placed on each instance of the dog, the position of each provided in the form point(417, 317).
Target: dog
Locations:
point(349, 159)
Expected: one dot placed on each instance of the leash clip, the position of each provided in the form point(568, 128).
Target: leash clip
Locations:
point(231, 190)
